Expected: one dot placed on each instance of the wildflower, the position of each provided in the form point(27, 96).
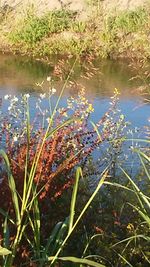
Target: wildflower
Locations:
point(9, 108)
point(90, 108)
point(15, 99)
point(15, 138)
point(48, 78)
point(7, 97)
point(53, 91)
point(130, 227)
point(42, 96)
point(27, 95)
point(116, 91)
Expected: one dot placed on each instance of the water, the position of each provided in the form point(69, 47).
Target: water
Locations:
point(20, 75)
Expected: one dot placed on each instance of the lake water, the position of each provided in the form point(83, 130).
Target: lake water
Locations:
point(20, 75)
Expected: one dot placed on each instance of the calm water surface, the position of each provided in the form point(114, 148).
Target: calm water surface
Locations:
point(20, 75)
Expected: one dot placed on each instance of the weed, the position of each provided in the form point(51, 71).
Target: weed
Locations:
point(34, 28)
point(129, 21)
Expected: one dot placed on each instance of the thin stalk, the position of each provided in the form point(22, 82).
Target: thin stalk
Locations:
point(74, 197)
point(101, 182)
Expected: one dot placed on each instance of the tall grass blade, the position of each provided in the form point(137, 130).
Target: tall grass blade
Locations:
point(142, 154)
point(74, 197)
point(78, 260)
point(88, 244)
point(144, 166)
point(96, 130)
point(12, 187)
point(61, 126)
point(132, 238)
point(101, 182)
point(36, 225)
point(5, 214)
point(60, 236)
point(6, 235)
point(27, 160)
point(140, 195)
point(142, 214)
point(127, 262)
point(52, 238)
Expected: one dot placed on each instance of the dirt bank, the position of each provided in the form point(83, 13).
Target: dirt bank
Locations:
point(118, 28)
point(81, 6)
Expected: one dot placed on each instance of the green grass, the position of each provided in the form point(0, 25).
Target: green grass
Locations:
point(123, 34)
point(35, 28)
point(128, 21)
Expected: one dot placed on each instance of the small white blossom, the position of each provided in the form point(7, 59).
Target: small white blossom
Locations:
point(53, 90)
point(15, 99)
point(42, 96)
point(27, 95)
point(7, 97)
point(15, 138)
point(48, 78)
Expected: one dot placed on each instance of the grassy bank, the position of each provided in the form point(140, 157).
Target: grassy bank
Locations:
point(114, 35)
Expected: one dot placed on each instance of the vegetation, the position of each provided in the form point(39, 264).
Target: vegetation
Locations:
point(34, 28)
point(47, 159)
point(70, 195)
point(121, 34)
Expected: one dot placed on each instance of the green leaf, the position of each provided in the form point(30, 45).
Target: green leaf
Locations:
point(78, 260)
point(6, 235)
point(100, 184)
point(125, 260)
point(74, 197)
point(12, 186)
point(142, 214)
point(4, 251)
point(96, 130)
point(61, 126)
point(52, 237)
point(60, 236)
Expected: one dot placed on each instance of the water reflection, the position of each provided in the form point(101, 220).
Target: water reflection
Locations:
point(19, 74)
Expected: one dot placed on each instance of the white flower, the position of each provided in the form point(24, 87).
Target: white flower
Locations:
point(15, 99)
point(53, 90)
point(7, 97)
point(42, 96)
point(27, 95)
point(9, 108)
point(48, 78)
point(15, 138)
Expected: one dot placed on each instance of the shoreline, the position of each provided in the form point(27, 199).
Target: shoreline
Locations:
point(122, 35)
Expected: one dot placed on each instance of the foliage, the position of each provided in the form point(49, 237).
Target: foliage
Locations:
point(39, 164)
point(34, 28)
point(31, 171)
point(129, 21)
point(4, 251)
point(63, 31)
point(41, 151)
